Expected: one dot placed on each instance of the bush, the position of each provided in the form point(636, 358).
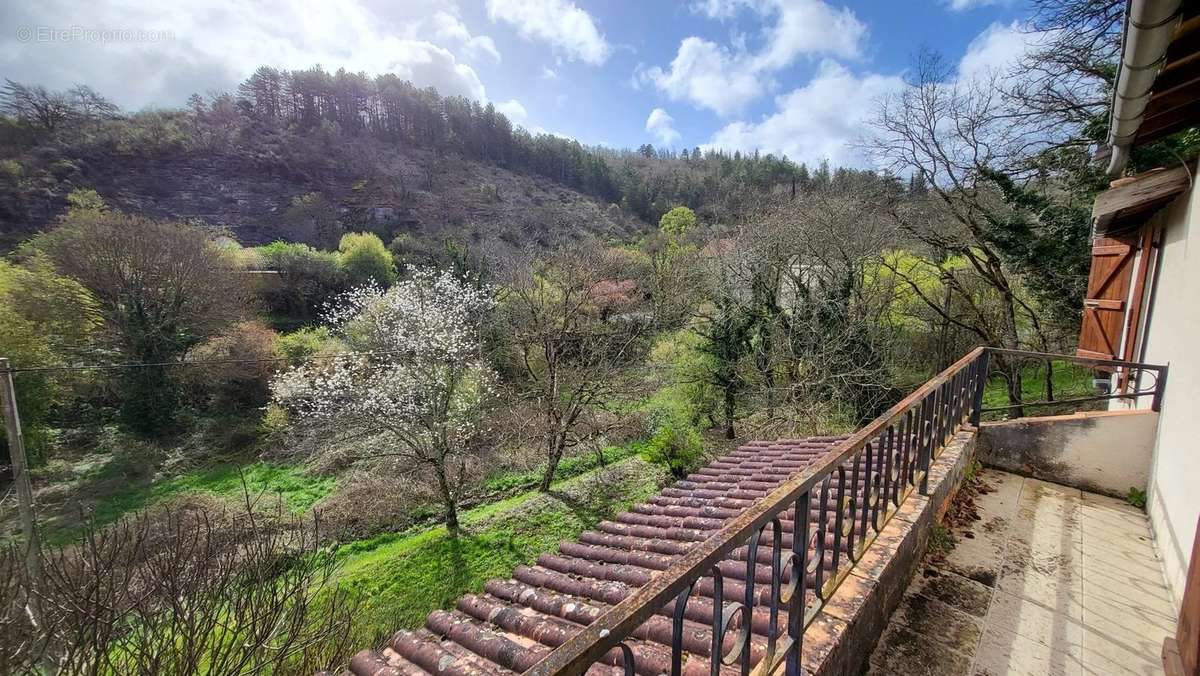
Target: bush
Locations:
point(690, 399)
point(302, 345)
point(188, 588)
point(274, 424)
point(366, 260)
point(230, 387)
point(308, 279)
point(677, 448)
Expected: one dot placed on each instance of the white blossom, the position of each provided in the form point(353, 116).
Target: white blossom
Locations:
point(419, 372)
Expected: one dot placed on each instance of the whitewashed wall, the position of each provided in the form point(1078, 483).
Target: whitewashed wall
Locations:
point(1173, 337)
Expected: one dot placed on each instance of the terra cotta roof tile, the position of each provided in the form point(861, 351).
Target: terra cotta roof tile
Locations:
point(514, 623)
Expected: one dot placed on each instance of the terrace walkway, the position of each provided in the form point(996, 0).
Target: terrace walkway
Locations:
point(1050, 580)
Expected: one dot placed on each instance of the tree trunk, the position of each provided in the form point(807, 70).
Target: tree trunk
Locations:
point(1014, 391)
point(730, 405)
point(552, 458)
point(1049, 381)
point(448, 501)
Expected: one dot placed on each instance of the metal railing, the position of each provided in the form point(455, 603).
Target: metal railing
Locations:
point(825, 517)
point(1056, 383)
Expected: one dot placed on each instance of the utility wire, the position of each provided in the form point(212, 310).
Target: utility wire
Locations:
point(114, 367)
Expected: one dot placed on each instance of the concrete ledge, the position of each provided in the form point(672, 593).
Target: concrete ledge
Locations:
point(1105, 452)
point(855, 617)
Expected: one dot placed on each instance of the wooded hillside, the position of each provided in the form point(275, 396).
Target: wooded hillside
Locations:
point(355, 152)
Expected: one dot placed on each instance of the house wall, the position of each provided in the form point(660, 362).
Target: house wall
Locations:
point(1173, 338)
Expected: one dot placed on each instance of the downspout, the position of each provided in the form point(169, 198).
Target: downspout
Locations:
point(1149, 26)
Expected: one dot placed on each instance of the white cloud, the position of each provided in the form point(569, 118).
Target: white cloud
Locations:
point(809, 27)
point(549, 73)
point(818, 121)
point(707, 75)
point(724, 79)
point(997, 49)
point(449, 27)
point(561, 23)
point(964, 5)
point(215, 44)
point(662, 125)
point(514, 111)
point(717, 9)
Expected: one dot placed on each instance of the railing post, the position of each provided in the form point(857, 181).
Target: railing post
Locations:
point(1160, 386)
point(926, 439)
point(981, 378)
point(799, 600)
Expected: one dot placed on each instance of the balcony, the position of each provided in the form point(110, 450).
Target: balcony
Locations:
point(791, 556)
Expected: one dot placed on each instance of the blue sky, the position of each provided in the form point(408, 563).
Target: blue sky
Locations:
point(790, 76)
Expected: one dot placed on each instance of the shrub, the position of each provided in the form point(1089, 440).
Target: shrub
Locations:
point(308, 279)
point(366, 260)
point(189, 588)
point(232, 386)
point(274, 423)
point(85, 199)
point(679, 449)
point(690, 398)
point(302, 345)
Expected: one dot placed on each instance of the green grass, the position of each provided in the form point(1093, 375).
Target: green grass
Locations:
point(568, 467)
point(401, 578)
point(941, 540)
point(297, 490)
point(1070, 381)
point(1136, 497)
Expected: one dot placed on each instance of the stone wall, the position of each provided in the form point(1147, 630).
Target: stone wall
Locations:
point(840, 640)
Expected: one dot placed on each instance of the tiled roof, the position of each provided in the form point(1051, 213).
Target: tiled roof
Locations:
point(516, 622)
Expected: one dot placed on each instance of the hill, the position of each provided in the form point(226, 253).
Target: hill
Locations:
point(418, 192)
point(295, 153)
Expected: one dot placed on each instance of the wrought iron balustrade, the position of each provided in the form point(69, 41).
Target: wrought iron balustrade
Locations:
point(807, 534)
point(1044, 383)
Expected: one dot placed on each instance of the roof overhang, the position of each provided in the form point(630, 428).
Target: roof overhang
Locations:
point(1157, 88)
point(1174, 103)
point(1127, 205)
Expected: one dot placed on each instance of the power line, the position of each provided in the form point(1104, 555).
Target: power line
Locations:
point(267, 360)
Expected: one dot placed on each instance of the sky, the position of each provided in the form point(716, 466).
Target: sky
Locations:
point(797, 77)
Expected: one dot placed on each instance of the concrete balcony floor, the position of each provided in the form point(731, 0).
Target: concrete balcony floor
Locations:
point(1050, 580)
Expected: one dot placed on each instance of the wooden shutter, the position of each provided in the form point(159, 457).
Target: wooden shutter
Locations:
point(1107, 298)
point(1181, 653)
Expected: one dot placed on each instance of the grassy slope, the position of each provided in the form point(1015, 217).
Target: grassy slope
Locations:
point(1070, 381)
point(298, 491)
point(400, 579)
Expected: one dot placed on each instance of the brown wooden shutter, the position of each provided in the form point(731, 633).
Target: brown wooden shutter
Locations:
point(1106, 299)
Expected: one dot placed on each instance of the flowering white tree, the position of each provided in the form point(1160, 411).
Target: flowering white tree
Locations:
point(417, 375)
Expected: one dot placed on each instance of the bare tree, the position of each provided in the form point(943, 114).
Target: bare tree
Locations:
point(35, 105)
point(161, 288)
point(1066, 76)
point(181, 591)
point(821, 338)
point(953, 132)
point(49, 110)
point(574, 321)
